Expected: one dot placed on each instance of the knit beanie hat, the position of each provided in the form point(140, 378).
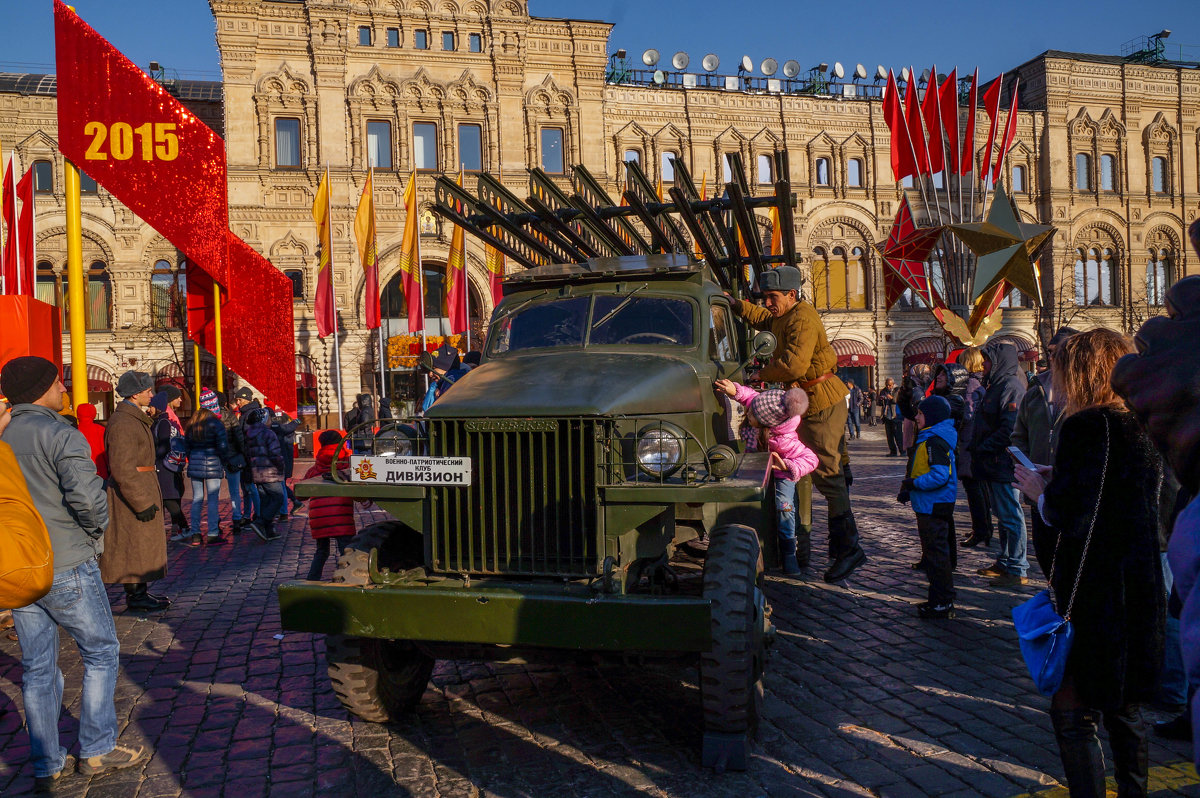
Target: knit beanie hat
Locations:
point(160, 401)
point(172, 393)
point(25, 379)
point(209, 401)
point(770, 408)
point(132, 383)
point(935, 409)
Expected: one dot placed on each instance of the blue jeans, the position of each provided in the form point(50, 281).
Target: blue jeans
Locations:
point(785, 506)
point(203, 489)
point(1010, 519)
point(250, 494)
point(1172, 680)
point(234, 478)
point(76, 602)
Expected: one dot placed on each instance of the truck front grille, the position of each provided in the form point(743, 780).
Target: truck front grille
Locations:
point(532, 506)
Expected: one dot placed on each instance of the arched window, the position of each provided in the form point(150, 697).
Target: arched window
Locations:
point(99, 297)
point(822, 172)
point(668, 168)
point(167, 296)
point(394, 309)
point(1018, 178)
point(48, 288)
point(1158, 176)
point(43, 177)
point(839, 281)
point(854, 173)
point(1158, 276)
point(1094, 283)
point(1083, 172)
point(632, 155)
point(1108, 173)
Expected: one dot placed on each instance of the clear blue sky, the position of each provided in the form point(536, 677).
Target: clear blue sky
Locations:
point(179, 33)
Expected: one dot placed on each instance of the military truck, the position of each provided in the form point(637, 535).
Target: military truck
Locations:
point(547, 500)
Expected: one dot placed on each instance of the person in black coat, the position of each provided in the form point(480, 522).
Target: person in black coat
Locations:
point(1106, 478)
point(991, 463)
point(169, 464)
point(284, 427)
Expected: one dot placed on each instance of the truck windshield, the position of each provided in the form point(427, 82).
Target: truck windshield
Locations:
point(563, 322)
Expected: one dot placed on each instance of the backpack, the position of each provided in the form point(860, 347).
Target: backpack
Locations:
point(26, 559)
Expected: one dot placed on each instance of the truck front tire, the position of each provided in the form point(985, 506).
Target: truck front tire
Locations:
point(377, 680)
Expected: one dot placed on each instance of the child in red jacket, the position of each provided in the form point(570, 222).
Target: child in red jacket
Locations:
point(329, 517)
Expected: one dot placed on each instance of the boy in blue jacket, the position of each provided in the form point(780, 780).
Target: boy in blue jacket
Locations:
point(931, 485)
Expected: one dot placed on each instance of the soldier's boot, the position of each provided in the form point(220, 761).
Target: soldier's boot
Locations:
point(844, 547)
point(803, 545)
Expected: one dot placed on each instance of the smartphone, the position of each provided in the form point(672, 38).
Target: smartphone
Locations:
point(1020, 457)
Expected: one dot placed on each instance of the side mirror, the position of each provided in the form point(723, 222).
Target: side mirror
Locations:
point(763, 344)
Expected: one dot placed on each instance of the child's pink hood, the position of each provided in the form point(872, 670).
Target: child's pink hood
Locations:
point(799, 459)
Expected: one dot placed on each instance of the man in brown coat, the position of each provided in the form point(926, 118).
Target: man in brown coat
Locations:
point(135, 546)
point(804, 359)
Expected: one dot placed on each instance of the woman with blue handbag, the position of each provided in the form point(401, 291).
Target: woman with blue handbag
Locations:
point(1100, 504)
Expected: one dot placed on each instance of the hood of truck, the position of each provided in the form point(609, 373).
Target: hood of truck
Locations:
point(574, 383)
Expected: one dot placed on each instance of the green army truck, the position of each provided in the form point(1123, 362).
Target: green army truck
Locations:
point(583, 489)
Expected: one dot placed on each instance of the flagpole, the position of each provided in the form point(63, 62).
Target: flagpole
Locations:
point(420, 272)
point(217, 336)
point(337, 354)
point(973, 102)
point(75, 321)
point(375, 257)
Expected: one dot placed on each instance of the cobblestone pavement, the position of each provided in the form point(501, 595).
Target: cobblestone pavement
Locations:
point(862, 698)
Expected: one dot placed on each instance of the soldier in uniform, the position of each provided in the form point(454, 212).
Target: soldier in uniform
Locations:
point(804, 359)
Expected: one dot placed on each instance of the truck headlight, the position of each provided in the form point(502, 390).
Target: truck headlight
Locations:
point(660, 450)
point(394, 442)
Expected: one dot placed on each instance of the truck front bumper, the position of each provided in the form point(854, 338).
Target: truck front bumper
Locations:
point(518, 615)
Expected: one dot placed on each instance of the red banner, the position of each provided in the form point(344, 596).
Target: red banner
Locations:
point(153, 154)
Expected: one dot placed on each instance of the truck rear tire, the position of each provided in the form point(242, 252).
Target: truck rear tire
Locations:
point(731, 689)
point(377, 680)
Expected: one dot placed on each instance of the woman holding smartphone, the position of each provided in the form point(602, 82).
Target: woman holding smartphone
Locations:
point(1100, 504)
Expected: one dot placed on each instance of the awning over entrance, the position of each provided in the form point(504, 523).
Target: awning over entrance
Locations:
point(174, 373)
point(99, 380)
point(304, 372)
point(1025, 350)
point(924, 350)
point(852, 353)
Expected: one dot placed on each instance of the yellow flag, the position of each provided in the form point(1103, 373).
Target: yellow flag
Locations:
point(325, 310)
point(703, 196)
point(364, 235)
point(410, 259)
point(455, 302)
point(776, 233)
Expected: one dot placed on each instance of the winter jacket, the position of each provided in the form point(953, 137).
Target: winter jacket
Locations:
point(782, 439)
point(1184, 555)
point(284, 428)
point(908, 397)
point(931, 469)
point(134, 551)
point(86, 414)
point(955, 391)
point(856, 401)
point(887, 403)
point(57, 464)
point(996, 415)
point(207, 450)
point(1037, 421)
point(236, 438)
point(266, 461)
point(1120, 608)
point(329, 516)
point(803, 353)
point(170, 483)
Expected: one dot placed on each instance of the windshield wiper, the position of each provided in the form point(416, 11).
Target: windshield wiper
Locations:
point(508, 313)
point(621, 306)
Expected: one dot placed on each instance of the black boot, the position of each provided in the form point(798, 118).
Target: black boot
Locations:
point(803, 545)
point(1082, 759)
point(138, 599)
point(844, 548)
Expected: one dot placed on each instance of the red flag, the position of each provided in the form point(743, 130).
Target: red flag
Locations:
point(967, 162)
point(1010, 131)
point(991, 104)
point(931, 110)
point(11, 253)
point(916, 134)
point(326, 306)
point(25, 273)
point(948, 100)
point(903, 164)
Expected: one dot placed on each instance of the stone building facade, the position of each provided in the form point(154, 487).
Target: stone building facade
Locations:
point(1106, 150)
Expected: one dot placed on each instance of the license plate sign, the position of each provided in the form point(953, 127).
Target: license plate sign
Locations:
point(452, 471)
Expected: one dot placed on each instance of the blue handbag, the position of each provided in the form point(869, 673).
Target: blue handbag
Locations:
point(1044, 635)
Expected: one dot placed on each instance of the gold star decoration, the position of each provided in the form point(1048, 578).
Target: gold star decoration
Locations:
point(1005, 247)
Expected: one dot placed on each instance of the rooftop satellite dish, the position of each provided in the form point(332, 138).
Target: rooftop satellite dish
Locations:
point(904, 74)
point(768, 66)
point(791, 69)
point(838, 69)
point(860, 72)
point(660, 77)
point(710, 62)
point(747, 64)
point(880, 73)
point(650, 57)
point(679, 61)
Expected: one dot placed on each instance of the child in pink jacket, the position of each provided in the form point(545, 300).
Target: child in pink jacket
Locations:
point(779, 413)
